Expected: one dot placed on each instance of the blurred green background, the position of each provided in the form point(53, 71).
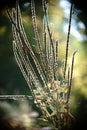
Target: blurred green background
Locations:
point(11, 79)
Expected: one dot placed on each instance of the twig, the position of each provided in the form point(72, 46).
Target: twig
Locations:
point(67, 43)
point(15, 97)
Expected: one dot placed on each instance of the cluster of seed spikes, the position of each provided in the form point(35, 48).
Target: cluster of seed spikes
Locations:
point(50, 94)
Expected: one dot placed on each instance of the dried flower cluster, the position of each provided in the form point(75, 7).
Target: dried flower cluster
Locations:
point(50, 94)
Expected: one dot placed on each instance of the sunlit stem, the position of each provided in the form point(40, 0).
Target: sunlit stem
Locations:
point(45, 9)
point(72, 68)
point(71, 74)
point(67, 43)
point(15, 97)
point(44, 37)
point(56, 60)
point(35, 25)
point(37, 37)
point(68, 75)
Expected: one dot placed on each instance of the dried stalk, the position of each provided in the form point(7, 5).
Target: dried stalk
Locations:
point(49, 93)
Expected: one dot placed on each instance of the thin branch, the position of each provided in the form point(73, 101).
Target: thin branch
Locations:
point(68, 36)
point(72, 68)
point(70, 85)
point(45, 10)
point(56, 60)
point(15, 97)
point(68, 76)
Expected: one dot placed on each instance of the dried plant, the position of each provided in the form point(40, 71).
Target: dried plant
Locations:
point(50, 94)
